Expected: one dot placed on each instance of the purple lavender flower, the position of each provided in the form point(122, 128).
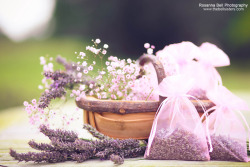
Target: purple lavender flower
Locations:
point(51, 157)
point(63, 61)
point(81, 157)
point(105, 154)
point(63, 135)
point(94, 132)
point(134, 152)
point(42, 146)
point(65, 145)
point(62, 81)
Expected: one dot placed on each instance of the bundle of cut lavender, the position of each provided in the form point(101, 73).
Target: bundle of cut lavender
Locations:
point(66, 146)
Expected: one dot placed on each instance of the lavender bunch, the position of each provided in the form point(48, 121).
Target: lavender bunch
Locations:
point(65, 145)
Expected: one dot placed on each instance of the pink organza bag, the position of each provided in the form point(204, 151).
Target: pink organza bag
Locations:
point(203, 70)
point(177, 132)
point(177, 57)
point(195, 62)
point(227, 132)
point(207, 76)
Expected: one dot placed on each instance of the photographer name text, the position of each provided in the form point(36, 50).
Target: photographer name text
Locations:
point(231, 7)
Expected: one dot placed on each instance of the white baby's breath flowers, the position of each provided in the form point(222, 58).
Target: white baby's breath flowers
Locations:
point(84, 63)
point(146, 45)
point(150, 51)
point(97, 41)
point(82, 54)
point(40, 87)
point(105, 46)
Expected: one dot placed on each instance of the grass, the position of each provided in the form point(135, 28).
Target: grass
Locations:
point(20, 68)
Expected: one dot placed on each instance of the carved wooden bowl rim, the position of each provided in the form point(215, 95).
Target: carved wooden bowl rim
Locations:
point(93, 104)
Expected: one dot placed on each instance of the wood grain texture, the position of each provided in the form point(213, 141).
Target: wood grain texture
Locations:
point(125, 107)
point(116, 106)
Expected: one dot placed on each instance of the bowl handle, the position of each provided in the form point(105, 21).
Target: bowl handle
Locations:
point(158, 68)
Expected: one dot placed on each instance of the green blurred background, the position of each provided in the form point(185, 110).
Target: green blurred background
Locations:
point(124, 25)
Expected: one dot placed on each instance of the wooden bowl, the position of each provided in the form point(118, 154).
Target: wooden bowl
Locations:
point(123, 119)
point(134, 125)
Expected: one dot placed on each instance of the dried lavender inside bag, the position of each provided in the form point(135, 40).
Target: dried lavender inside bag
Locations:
point(179, 144)
point(228, 149)
point(198, 93)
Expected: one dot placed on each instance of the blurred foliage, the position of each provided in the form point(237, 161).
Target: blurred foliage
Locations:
point(20, 68)
point(239, 31)
point(125, 26)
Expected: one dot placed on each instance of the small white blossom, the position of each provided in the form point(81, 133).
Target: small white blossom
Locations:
point(129, 61)
point(42, 60)
point(104, 52)
point(84, 63)
point(82, 87)
point(150, 51)
point(102, 72)
point(97, 41)
point(90, 68)
point(82, 54)
point(79, 75)
point(40, 87)
point(146, 45)
point(105, 46)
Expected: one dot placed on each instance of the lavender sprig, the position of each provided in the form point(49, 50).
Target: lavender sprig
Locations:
point(62, 135)
point(62, 81)
point(94, 132)
point(61, 146)
point(63, 61)
point(57, 88)
point(42, 146)
point(51, 157)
